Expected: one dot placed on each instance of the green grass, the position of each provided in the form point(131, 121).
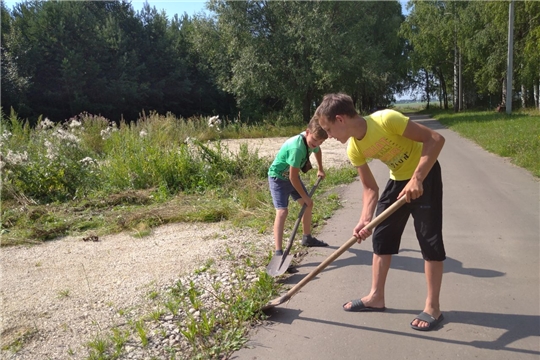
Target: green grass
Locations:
point(515, 136)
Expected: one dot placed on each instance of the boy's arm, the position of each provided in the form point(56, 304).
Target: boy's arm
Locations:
point(369, 201)
point(320, 170)
point(294, 177)
point(432, 144)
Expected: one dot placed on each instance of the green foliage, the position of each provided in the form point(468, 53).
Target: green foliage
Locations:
point(284, 55)
point(97, 349)
point(439, 33)
point(222, 329)
point(61, 58)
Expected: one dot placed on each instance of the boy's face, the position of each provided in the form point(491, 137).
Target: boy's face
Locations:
point(312, 141)
point(334, 129)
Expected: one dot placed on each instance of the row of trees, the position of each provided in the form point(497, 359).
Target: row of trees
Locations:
point(60, 58)
point(463, 45)
point(256, 57)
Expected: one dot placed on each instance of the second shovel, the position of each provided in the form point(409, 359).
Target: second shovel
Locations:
point(280, 263)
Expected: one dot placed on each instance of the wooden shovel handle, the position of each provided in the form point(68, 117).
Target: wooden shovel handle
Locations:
point(373, 223)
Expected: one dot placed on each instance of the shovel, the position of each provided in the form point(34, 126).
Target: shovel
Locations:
point(280, 263)
point(334, 256)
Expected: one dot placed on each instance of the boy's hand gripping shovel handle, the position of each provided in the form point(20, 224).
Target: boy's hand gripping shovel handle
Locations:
point(335, 255)
point(279, 264)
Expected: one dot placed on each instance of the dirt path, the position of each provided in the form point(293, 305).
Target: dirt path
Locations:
point(58, 296)
point(334, 153)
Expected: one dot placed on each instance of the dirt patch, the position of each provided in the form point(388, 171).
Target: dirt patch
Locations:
point(334, 153)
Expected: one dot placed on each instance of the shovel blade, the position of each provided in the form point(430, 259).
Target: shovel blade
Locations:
point(278, 265)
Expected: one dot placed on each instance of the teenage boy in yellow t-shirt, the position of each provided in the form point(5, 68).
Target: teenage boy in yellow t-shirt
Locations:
point(410, 151)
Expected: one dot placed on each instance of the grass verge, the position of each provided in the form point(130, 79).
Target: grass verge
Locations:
point(515, 136)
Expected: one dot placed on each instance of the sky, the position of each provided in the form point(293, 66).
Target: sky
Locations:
point(171, 7)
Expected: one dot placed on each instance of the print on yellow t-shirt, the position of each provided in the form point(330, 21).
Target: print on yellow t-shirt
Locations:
point(384, 141)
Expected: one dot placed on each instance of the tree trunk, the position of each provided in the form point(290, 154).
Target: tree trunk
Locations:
point(443, 88)
point(456, 81)
point(306, 106)
point(427, 88)
point(523, 96)
point(440, 96)
point(503, 99)
point(460, 84)
point(536, 94)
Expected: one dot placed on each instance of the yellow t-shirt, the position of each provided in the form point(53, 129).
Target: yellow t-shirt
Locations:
point(384, 141)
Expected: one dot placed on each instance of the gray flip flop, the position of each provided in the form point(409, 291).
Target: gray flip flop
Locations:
point(424, 316)
point(358, 306)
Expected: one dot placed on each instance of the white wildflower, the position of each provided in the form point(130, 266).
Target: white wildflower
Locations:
point(45, 124)
point(75, 124)
point(64, 135)
point(6, 135)
point(214, 121)
point(16, 158)
point(88, 161)
point(105, 134)
point(51, 151)
point(143, 133)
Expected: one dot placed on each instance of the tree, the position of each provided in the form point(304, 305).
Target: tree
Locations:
point(284, 55)
point(430, 30)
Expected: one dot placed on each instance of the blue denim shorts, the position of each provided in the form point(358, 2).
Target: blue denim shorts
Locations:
point(281, 190)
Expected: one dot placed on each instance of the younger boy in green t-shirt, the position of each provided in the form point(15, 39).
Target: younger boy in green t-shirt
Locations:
point(284, 181)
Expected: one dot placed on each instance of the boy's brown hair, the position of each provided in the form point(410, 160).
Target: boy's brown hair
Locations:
point(315, 128)
point(336, 104)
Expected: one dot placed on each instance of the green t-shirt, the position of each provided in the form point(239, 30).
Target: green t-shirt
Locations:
point(384, 141)
point(293, 153)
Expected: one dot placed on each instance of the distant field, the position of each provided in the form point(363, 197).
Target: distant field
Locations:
point(410, 106)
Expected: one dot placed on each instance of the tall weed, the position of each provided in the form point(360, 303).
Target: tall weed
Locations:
point(46, 164)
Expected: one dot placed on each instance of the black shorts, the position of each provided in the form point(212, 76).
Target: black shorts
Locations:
point(426, 212)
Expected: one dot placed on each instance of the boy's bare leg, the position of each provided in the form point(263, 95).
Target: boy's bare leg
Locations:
point(279, 225)
point(306, 218)
point(379, 272)
point(434, 274)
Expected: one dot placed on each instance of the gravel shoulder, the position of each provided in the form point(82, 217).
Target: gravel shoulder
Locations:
point(60, 295)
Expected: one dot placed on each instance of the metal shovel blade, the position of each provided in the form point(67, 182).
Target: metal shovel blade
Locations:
point(278, 265)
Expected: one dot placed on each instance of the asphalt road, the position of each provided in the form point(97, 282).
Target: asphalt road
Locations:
point(491, 286)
